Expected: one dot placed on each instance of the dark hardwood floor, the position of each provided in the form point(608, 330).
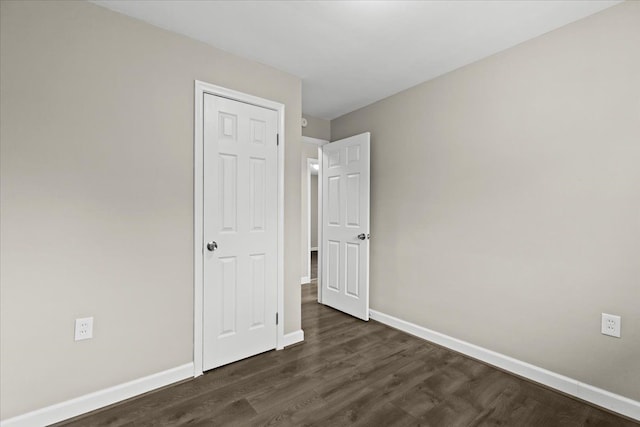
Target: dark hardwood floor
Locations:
point(349, 372)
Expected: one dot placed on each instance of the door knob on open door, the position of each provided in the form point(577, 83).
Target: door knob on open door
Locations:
point(212, 246)
point(362, 236)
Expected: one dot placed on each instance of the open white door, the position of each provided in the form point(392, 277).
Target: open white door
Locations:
point(345, 225)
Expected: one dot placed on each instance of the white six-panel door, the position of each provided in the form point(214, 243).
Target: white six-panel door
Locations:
point(240, 230)
point(345, 225)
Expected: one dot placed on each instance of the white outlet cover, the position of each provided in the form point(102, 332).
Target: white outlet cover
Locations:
point(611, 325)
point(84, 328)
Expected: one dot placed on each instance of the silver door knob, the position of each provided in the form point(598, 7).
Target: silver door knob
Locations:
point(362, 236)
point(212, 246)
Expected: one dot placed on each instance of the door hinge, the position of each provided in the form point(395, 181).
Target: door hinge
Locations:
point(277, 139)
point(276, 318)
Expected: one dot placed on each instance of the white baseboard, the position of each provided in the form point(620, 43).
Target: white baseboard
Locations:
point(305, 280)
point(293, 337)
point(589, 393)
point(314, 249)
point(99, 399)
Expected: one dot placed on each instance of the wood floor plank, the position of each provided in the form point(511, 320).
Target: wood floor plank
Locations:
point(290, 413)
point(350, 372)
point(385, 415)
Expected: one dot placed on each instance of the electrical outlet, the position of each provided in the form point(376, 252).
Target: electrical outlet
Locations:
point(611, 325)
point(84, 328)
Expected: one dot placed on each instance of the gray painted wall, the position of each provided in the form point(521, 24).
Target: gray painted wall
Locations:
point(506, 200)
point(317, 128)
point(97, 194)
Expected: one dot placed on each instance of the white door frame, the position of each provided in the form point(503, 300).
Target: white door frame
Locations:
point(306, 164)
point(202, 88)
point(306, 278)
point(320, 222)
point(319, 143)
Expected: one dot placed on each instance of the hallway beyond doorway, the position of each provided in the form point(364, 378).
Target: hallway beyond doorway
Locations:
point(314, 266)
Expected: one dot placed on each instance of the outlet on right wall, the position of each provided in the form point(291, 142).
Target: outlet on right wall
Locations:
point(506, 200)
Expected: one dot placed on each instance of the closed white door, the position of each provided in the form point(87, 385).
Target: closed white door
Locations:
point(345, 225)
point(240, 230)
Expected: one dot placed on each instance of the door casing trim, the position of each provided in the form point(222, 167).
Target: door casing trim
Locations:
point(200, 89)
point(306, 278)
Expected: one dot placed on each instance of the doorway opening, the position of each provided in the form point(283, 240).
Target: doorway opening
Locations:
point(310, 247)
point(312, 221)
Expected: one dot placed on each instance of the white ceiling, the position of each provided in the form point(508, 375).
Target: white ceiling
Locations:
point(352, 53)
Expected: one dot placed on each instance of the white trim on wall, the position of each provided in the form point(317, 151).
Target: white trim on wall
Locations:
point(293, 337)
point(99, 399)
point(314, 248)
point(320, 221)
point(589, 393)
point(317, 141)
point(200, 89)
